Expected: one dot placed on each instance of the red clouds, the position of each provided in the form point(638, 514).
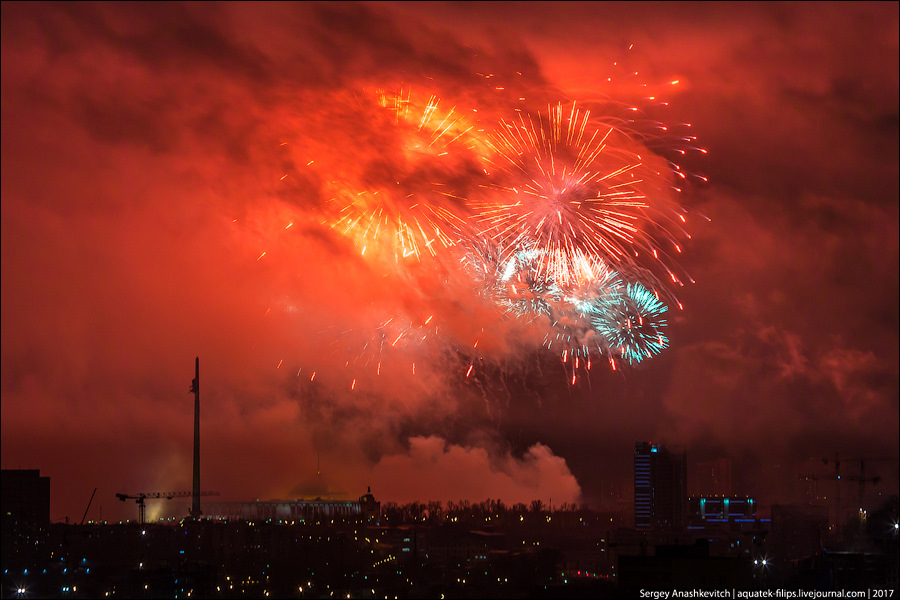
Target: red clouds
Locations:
point(153, 153)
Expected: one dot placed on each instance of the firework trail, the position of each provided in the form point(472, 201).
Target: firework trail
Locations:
point(368, 350)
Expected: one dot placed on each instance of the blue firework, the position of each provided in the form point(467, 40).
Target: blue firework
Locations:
point(633, 327)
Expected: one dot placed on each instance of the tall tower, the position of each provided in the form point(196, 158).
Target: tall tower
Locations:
point(195, 389)
point(660, 487)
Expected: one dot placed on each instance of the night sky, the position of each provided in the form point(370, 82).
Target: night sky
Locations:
point(168, 186)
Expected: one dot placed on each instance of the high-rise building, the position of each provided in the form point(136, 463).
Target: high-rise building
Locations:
point(643, 487)
point(25, 497)
point(660, 487)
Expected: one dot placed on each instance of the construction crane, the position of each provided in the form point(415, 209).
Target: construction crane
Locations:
point(861, 479)
point(141, 497)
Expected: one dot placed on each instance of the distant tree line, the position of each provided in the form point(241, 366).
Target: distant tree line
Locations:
point(489, 512)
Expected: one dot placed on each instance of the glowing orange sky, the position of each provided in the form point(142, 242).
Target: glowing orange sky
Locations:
point(151, 153)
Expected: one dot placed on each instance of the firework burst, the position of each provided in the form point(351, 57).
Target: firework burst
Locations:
point(573, 336)
point(634, 326)
point(409, 202)
point(577, 187)
point(559, 224)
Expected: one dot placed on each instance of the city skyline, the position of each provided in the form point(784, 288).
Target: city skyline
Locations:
point(167, 175)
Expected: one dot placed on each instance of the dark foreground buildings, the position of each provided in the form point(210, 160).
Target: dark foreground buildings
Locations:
point(330, 549)
point(25, 503)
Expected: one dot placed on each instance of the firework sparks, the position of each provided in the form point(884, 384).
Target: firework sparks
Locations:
point(568, 211)
point(512, 283)
point(596, 290)
point(577, 188)
point(634, 327)
point(412, 205)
